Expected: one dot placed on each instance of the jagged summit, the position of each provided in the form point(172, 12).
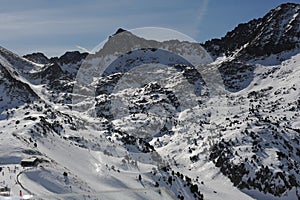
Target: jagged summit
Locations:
point(38, 57)
point(120, 30)
point(277, 31)
point(70, 57)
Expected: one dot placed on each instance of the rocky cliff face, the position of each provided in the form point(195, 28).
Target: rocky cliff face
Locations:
point(277, 31)
point(39, 58)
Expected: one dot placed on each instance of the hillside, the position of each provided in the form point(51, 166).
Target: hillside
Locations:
point(158, 120)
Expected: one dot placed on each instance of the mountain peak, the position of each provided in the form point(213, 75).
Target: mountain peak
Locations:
point(277, 31)
point(120, 30)
point(37, 57)
point(72, 57)
point(287, 5)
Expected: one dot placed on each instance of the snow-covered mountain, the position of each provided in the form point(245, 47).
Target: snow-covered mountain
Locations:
point(143, 115)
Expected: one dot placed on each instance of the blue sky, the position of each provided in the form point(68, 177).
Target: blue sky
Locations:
point(56, 26)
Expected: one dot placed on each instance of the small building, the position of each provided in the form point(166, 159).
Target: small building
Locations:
point(29, 162)
point(4, 191)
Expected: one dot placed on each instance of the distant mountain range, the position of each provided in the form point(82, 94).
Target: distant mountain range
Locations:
point(221, 121)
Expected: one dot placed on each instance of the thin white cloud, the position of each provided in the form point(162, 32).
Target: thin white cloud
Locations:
point(83, 49)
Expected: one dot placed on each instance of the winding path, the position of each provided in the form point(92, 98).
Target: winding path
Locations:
point(18, 181)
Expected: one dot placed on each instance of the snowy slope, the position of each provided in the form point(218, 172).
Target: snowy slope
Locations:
point(130, 117)
point(63, 139)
